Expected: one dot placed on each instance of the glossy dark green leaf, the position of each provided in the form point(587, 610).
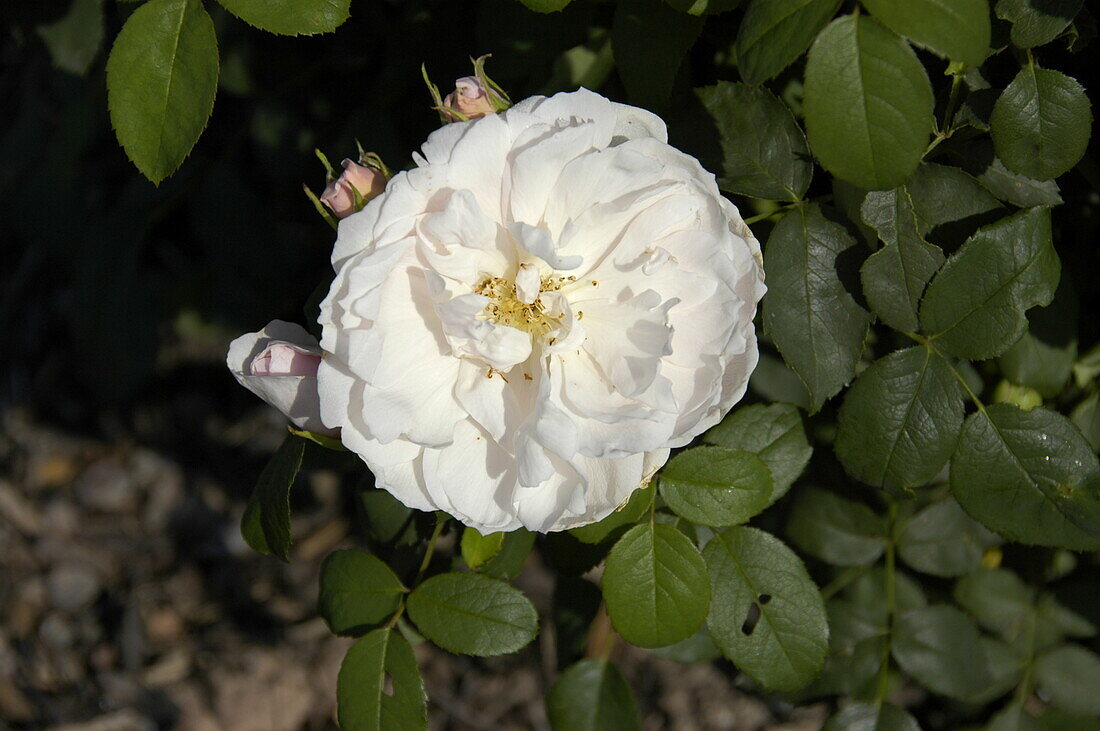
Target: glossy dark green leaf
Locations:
point(868, 103)
point(650, 40)
point(716, 486)
point(1030, 476)
point(767, 616)
point(957, 29)
point(266, 521)
point(894, 277)
point(656, 587)
point(478, 549)
point(871, 717)
point(1069, 675)
point(942, 194)
point(358, 592)
point(379, 686)
point(291, 17)
point(975, 306)
point(942, 540)
point(774, 33)
point(162, 76)
point(764, 150)
point(900, 420)
point(1019, 190)
point(1036, 22)
point(620, 521)
point(1041, 123)
point(809, 312)
point(772, 432)
point(938, 646)
point(592, 695)
point(472, 614)
point(837, 530)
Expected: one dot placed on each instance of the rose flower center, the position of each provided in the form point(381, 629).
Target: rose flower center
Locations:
point(507, 308)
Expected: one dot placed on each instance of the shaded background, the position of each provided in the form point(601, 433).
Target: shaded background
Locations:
point(127, 452)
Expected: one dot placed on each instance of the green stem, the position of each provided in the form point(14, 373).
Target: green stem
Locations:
point(440, 522)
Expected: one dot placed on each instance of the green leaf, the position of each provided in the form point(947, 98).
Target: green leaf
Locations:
point(871, 717)
point(942, 540)
point(776, 32)
point(998, 599)
point(162, 75)
point(869, 593)
point(1036, 22)
point(957, 29)
point(704, 7)
point(809, 313)
point(1030, 476)
point(772, 432)
point(1004, 666)
point(698, 648)
point(650, 40)
point(767, 616)
point(868, 103)
point(764, 150)
point(942, 194)
point(836, 530)
point(266, 521)
point(358, 592)
point(1019, 190)
point(900, 420)
point(856, 646)
point(938, 646)
point(291, 17)
point(592, 695)
point(508, 562)
point(1043, 358)
point(546, 6)
point(75, 39)
point(655, 585)
point(379, 686)
point(1086, 416)
point(478, 549)
point(1069, 675)
point(471, 614)
point(387, 519)
point(1041, 123)
point(715, 486)
point(618, 522)
point(975, 306)
point(894, 277)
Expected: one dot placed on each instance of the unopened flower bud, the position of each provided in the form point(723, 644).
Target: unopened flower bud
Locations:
point(340, 194)
point(279, 364)
point(471, 98)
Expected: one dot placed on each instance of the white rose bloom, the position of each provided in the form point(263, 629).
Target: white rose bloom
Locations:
point(524, 324)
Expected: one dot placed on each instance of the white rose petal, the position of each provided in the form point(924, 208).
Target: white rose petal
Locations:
point(523, 325)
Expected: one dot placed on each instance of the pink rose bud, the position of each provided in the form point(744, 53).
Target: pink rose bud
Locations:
point(339, 194)
point(470, 97)
point(279, 364)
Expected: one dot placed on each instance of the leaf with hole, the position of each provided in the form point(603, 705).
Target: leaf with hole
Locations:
point(1030, 476)
point(767, 616)
point(379, 686)
point(162, 76)
point(868, 103)
point(900, 420)
point(358, 592)
point(655, 585)
point(809, 311)
point(472, 614)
